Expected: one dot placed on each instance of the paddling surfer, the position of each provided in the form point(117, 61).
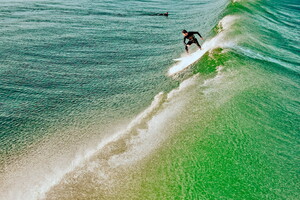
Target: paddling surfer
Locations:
point(190, 36)
point(164, 14)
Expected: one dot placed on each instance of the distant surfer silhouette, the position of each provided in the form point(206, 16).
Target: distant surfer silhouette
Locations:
point(164, 14)
point(190, 36)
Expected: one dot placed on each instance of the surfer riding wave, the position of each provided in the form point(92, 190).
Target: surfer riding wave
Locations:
point(192, 39)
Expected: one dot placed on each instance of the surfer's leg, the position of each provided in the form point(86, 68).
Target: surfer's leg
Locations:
point(187, 46)
point(197, 43)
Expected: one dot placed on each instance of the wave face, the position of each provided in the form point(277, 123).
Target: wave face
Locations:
point(93, 106)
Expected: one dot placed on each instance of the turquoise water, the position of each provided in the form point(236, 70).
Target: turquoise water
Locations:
point(84, 56)
point(88, 110)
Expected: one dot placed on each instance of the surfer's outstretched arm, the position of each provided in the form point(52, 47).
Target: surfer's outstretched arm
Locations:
point(198, 34)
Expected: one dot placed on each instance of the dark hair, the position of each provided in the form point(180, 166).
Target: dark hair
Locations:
point(184, 31)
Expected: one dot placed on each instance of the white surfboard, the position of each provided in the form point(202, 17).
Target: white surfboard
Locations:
point(186, 61)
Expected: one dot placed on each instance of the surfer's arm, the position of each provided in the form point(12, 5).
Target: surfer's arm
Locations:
point(184, 40)
point(198, 34)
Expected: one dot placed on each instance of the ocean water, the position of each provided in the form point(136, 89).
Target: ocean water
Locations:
point(98, 100)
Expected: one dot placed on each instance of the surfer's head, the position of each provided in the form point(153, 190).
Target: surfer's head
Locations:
point(184, 32)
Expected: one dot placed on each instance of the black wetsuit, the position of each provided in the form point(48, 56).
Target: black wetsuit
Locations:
point(191, 39)
point(163, 14)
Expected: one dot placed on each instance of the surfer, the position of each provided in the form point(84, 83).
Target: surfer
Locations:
point(190, 36)
point(164, 14)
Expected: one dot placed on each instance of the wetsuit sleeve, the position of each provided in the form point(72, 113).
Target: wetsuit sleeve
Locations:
point(184, 40)
point(196, 33)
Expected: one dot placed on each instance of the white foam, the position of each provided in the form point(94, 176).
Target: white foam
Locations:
point(185, 84)
point(256, 55)
point(217, 78)
point(152, 136)
point(35, 183)
point(227, 22)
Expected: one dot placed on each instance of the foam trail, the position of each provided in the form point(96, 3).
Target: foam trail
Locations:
point(215, 42)
point(149, 138)
point(45, 178)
